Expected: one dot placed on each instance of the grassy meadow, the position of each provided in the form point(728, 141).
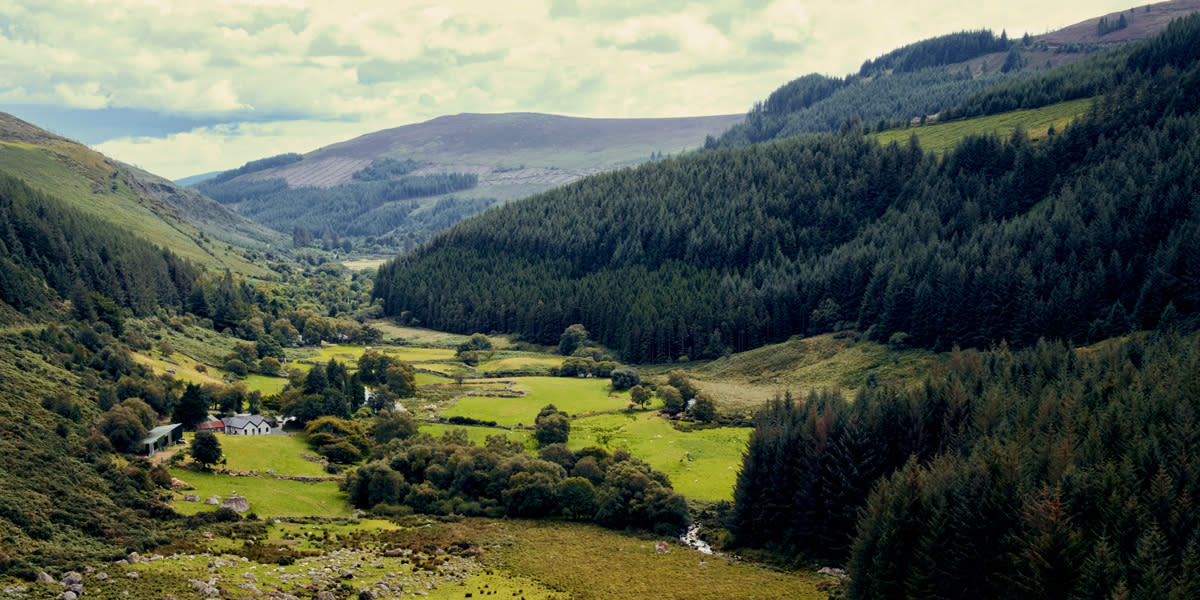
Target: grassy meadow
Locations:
point(283, 454)
point(702, 464)
point(572, 395)
point(268, 496)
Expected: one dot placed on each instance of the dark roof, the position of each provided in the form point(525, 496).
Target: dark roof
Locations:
point(241, 421)
point(158, 432)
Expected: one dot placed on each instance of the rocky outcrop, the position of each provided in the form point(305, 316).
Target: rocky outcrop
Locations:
point(236, 503)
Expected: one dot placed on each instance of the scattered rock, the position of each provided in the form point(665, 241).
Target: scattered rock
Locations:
point(16, 590)
point(662, 548)
point(72, 578)
point(134, 558)
point(832, 572)
point(133, 575)
point(77, 588)
point(213, 500)
point(68, 595)
point(179, 484)
point(191, 497)
point(323, 595)
point(102, 576)
point(44, 577)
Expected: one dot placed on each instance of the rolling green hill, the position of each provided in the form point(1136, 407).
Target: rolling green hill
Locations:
point(150, 207)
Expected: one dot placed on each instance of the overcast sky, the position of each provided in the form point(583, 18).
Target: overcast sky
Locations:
point(182, 87)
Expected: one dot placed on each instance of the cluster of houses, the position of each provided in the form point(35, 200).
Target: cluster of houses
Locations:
point(238, 425)
point(162, 437)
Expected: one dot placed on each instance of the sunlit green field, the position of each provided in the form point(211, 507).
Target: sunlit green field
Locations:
point(521, 363)
point(279, 453)
point(939, 137)
point(417, 355)
point(569, 394)
point(269, 497)
point(264, 384)
point(702, 464)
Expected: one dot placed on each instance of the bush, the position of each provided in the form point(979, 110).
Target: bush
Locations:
point(624, 378)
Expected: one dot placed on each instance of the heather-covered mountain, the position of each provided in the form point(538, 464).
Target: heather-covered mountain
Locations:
point(409, 182)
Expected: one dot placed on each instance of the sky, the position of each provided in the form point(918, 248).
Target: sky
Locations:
point(182, 87)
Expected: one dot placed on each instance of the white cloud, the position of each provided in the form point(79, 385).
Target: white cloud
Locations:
point(333, 64)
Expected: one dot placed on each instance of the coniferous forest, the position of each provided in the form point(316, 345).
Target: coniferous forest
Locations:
point(1086, 235)
point(1042, 439)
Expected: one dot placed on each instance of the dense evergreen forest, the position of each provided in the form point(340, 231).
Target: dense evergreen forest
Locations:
point(1047, 473)
point(48, 251)
point(1083, 236)
point(382, 199)
point(908, 82)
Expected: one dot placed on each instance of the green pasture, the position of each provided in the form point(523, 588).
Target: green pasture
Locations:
point(942, 136)
point(440, 367)
point(569, 394)
point(346, 354)
point(280, 453)
point(522, 363)
point(417, 355)
point(429, 379)
point(702, 464)
point(264, 384)
point(268, 496)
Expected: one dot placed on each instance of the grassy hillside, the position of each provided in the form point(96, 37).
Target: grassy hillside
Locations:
point(935, 75)
point(193, 227)
point(1037, 122)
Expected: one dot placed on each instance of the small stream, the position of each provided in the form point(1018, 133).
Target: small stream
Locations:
point(692, 540)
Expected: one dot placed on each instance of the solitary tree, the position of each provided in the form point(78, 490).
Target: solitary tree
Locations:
point(206, 449)
point(551, 426)
point(572, 338)
point(639, 395)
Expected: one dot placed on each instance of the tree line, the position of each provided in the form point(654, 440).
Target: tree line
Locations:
point(49, 251)
point(360, 208)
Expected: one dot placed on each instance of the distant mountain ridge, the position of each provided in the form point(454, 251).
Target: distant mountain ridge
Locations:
point(505, 149)
point(394, 188)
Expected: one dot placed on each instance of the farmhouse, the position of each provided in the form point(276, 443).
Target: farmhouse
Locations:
point(161, 437)
point(246, 425)
point(213, 425)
